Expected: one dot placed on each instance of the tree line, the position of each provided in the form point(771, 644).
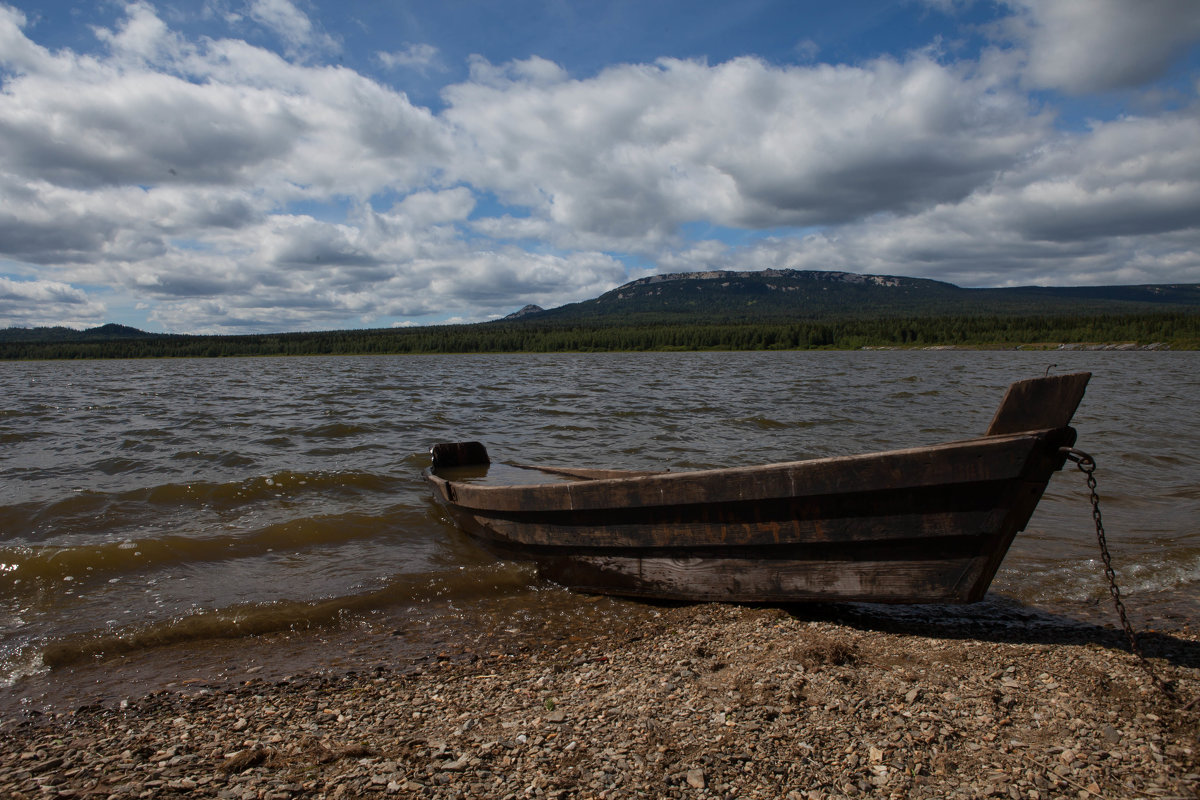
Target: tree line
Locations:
point(1178, 330)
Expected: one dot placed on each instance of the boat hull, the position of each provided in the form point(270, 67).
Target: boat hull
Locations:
point(923, 525)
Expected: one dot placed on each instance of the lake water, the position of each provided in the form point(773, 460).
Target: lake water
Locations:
point(178, 521)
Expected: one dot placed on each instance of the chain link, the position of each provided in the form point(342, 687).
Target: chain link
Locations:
point(1087, 465)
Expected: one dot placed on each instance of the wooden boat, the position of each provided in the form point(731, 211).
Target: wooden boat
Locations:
point(921, 525)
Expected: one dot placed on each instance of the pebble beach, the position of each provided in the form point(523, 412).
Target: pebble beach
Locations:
point(704, 701)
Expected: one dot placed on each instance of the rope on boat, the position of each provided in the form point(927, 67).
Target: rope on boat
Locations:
point(1087, 465)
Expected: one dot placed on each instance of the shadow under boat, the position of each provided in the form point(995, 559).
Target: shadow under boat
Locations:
point(997, 619)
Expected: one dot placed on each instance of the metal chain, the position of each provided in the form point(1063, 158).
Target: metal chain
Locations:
point(1087, 465)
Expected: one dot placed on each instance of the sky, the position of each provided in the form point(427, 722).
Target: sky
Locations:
point(242, 166)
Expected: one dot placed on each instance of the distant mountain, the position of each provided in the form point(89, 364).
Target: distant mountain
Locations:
point(104, 333)
point(725, 296)
point(524, 312)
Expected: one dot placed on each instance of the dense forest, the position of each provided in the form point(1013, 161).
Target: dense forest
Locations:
point(1177, 330)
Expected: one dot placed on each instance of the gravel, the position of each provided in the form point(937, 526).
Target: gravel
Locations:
point(706, 701)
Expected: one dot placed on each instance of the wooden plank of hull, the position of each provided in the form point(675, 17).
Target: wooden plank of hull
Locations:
point(972, 461)
point(1039, 403)
point(782, 580)
point(917, 557)
point(859, 517)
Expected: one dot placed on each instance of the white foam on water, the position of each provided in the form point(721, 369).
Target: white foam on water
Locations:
point(22, 662)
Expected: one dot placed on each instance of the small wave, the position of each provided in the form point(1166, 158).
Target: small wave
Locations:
point(416, 461)
point(1155, 459)
point(338, 430)
point(324, 451)
point(280, 442)
point(560, 412)
point(115, 466)
point(83, 510)
point(22, 662)
point(763, 423)
point(567, 429)
point(233, 494)
point(21, 517)
point(223, 458)
point(17, 438)
point(1162, 574)
point(1082, 582)
point(257, 619)
point(768, 424)
point(35, 566)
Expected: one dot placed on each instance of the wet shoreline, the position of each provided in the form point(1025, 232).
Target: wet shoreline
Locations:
point(406, 637)
point(690, 701)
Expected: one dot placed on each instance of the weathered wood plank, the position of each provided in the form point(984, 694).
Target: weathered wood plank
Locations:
point(1039, 403)
point(908, 514)
point(975, 460)
point(592, 474)
point(745, 580)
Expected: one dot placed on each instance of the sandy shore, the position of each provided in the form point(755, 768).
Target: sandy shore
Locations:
point(704, 702)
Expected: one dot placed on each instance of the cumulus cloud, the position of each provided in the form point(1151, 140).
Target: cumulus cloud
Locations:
point(412, 56)
point(1097, 45)
point(1117, 204)
point(167, 161)
point(464, 282)
point(534, 70)
point(37, 302)
point(143, 36)
point(225, 114)
point(639, 149)
point(291, 24)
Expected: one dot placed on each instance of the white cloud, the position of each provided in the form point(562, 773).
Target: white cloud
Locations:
point(413, 56)
point(806, 50)
point(223, 114)
point(38, 302)
point(479, 284)
point(535, 70)
point(1117, 204)
point(1097, 45)
point(422, 209)
point(143, 36)
point(291, 24)
point(632, 153)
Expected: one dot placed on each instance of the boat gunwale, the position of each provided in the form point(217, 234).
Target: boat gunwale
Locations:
point(484, 497)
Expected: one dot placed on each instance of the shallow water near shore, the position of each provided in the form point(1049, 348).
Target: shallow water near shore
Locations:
point(175, 522)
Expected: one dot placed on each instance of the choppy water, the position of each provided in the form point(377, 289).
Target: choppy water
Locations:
point(166, 519)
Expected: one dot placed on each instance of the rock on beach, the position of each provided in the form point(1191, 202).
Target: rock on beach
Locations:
point(707, 701)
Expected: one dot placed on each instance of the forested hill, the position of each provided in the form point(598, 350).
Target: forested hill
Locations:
point(787, 294)
point(105, 333)
point(722, 310)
